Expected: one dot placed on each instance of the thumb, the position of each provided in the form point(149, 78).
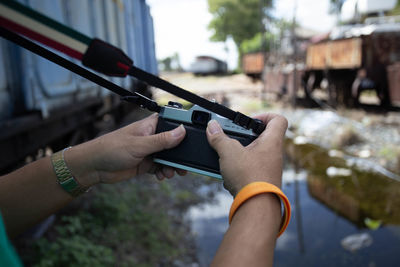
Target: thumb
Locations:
point(219, 140)
point(169, 139)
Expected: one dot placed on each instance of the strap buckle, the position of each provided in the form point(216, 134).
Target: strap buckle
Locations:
point(249, 123)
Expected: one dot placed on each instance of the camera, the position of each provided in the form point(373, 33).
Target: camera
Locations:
point(194, 153)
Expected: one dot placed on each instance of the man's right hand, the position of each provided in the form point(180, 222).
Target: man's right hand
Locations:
point(259, 161)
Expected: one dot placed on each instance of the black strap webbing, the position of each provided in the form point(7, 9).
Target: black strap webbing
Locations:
point(237, 117)
point(182, 93)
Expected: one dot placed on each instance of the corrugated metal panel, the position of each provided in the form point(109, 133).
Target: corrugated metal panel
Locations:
point(338, 54)
point(140, 35)
point(44, 80)
point(5, 97)
point(119, 13)
point(79, 14)
point(131, 38)
point(138, 31)
point(110, 11)
point(151, 49)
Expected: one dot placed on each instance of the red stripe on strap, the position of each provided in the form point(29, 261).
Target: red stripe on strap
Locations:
point(6, 23)
point(124, 67)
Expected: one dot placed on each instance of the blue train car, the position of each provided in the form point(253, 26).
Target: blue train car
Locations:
point(42, 104)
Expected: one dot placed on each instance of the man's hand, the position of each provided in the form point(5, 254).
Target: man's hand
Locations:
point(259, 161)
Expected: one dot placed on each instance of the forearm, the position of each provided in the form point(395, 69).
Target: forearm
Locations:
point(32, 193)
point(250, 239)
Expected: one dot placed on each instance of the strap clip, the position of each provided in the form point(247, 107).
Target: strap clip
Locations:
point(246, 122)
point(143, 102)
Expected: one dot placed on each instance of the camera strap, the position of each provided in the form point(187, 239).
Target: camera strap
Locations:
point(97, 55)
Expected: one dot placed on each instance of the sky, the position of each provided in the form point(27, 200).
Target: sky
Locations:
point(181, 26)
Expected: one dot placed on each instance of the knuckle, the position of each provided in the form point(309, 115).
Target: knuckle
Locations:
point(162, 138)
point(282, 120)
point(216, 138)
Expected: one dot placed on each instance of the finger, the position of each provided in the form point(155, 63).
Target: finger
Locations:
point(157, 142)
point(219, 140)
point(168, 172)
point(274, 122)
point(275, 130)
point(181, 172)
point(151, 166)
point(160, 176)
point(144, 127)
point(265, 117)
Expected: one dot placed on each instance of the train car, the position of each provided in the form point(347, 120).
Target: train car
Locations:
point(363, 53)
point(359, 58)
point(253, 64)
point(43, 105)
point(207, 65)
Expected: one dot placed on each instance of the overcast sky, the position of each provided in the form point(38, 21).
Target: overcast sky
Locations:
point(181, 26)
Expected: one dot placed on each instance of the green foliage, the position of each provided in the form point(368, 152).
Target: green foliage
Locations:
point(255, 44)
point(171, 63)
point(129, 224)
point(372, 224)
point(73, 250)
point(237, 19)
point(396, 10)
point(390, 152)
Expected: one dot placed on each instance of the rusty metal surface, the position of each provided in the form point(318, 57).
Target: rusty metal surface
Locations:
point(274, 80)
point(253, 63)
point(316, 56)
point(338, 54)
point(382, 48)
point(277, 80)
point(393, 74)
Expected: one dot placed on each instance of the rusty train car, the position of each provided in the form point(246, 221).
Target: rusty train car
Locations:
point(354, 59)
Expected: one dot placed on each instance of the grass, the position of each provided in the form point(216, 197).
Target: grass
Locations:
point(136, 223)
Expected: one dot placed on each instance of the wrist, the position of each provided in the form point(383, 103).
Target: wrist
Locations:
point(253, 190)
point(262, 208)
point(78, 160)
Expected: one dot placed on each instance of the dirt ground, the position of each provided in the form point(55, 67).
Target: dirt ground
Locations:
point(374, 137)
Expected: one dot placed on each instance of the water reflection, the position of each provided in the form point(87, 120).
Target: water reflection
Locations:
point(338, 220)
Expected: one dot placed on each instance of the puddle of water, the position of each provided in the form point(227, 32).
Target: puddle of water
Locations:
point(338, 220)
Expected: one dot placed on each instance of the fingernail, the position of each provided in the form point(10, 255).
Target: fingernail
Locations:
point(213, 127)
point(178, 132)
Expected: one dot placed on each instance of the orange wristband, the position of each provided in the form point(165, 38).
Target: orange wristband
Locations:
point(257, 188)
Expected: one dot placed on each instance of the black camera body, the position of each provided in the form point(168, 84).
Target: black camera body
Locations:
point(194, 153)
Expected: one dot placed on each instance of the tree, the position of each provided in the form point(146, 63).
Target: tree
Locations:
point(237, 19)
point(171, 63)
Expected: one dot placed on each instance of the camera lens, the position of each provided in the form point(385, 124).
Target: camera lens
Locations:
point(200, 117)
